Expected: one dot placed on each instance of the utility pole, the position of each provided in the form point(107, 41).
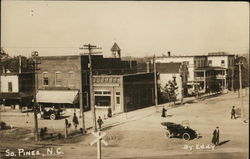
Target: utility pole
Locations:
point(155, 79)
point(233, 79)
point(241, 92)
point(35, 64)
point(91, 89)
point(80, 97)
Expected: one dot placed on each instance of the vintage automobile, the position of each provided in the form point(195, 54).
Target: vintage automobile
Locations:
point(52, 113)
point(179, 131)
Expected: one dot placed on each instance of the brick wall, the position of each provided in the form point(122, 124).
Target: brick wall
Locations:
point(63, 65)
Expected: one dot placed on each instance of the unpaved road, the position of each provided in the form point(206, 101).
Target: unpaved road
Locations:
point(139, 134)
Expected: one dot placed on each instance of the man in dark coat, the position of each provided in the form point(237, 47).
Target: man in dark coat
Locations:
point(233, 113)
point(99, 122)
point(75, 120)
point(163, 114)
point(216, 136)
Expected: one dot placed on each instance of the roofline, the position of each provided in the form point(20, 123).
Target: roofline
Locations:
point(140, 73)
point(183, 56)
point(13, 73)
point(220, 55)
point(209, 68)
point(60, 56)
point(66, 56)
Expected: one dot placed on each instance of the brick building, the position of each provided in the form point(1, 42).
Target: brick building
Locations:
point(64, 73)
point(123, 93)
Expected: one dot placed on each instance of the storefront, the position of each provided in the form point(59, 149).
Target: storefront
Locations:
point(123, 93)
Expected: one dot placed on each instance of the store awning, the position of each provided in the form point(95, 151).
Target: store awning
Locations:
point(57, 96)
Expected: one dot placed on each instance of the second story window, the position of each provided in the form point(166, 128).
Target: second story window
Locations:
point(209, 62)
point(45, 79)
point(58, 78)
point(10, 89)
point(71, 78)
point(222, 62)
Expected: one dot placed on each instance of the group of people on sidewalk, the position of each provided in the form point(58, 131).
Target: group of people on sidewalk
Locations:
point(76, 122)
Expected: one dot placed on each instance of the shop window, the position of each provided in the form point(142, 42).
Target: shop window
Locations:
point(103, 101)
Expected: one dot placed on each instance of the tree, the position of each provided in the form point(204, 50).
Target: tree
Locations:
point(3, 54)
point(170, 90)
point(244, 72)
point(12, 63)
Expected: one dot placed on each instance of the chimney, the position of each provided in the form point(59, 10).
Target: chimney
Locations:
point(20, 64)
point(169, 53)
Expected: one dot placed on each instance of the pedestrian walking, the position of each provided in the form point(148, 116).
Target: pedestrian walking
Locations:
point(99, 122)
point(216, 136)
point(75, 121)
point(109, 112)
point(163, 113)
point(233, 113)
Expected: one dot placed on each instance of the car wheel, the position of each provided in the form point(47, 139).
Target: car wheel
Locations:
point(167, 134)
point(186, 136)
point(52, 116)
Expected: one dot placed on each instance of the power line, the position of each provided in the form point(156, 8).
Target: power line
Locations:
point(40, 47)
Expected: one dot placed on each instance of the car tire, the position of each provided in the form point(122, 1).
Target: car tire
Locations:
point(167, 134)
point(186, 136)
point(52, 116)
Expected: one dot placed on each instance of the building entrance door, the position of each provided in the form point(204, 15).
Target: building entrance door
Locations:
point(118, 107)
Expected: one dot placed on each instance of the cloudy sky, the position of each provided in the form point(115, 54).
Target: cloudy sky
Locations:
point(140, 28)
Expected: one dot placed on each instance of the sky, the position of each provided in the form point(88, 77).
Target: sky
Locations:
point(140, 28)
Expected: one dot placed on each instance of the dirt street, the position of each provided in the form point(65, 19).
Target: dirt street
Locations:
point(139, 134)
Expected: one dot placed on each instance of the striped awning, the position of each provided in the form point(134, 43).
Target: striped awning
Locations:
point(57, 96)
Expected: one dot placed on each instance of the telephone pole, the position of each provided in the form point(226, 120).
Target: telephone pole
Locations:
point(81, 96)
point(155, 79)
point(35, 65)
point(91, 89)
point(241, 93)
